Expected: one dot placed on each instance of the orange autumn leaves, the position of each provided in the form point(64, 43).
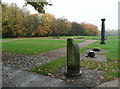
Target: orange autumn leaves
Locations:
point(18, 22)
point(43, 30)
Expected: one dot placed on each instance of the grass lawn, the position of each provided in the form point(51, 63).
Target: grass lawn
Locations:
point(84, 37)
point(110, 67)
point(33, 46)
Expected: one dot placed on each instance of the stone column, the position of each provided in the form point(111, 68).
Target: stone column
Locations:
point(73, 58)
point(103, 32)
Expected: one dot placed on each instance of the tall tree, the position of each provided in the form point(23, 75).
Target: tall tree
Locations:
point(46, 20)
point(89, 29)
point(75, 28)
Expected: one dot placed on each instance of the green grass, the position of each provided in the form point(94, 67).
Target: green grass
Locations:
point(85, 37)
point(33, 46)
point(110, 67)
point(50, 67)
point(112, 50)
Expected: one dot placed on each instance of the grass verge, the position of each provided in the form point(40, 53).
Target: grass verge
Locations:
point(50, 67)
point(82, 37)
point(33, 46)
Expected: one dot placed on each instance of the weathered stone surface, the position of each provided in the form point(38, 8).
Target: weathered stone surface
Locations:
point(96, 49)
point(91, 54)
point(103, 32)
point(73, 58)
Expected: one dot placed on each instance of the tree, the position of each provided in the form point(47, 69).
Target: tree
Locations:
point(111, 32)
point(39, 6)
point(75, 29)
point(89, 29)
point(46, 20)
point(14, 19)
point(18, 22)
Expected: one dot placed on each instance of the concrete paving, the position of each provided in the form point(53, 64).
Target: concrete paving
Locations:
point(20, 78)
point(113, 83)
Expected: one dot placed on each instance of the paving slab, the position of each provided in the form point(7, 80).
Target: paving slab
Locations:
point(113, 83)
point(21, 78)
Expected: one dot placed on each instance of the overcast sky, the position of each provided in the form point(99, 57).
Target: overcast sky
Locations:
point(90, 11)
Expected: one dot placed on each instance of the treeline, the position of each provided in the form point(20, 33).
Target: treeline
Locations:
point(18, 22)
point(112, 33)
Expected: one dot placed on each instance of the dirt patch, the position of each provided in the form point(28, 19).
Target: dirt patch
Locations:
point(22, 61)
point(8, 56)
point(89, 78)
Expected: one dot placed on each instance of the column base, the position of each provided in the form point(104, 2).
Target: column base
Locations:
point(102, 42)
point(73, 75)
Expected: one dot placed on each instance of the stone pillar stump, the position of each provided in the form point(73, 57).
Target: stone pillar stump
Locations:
point(73, 59)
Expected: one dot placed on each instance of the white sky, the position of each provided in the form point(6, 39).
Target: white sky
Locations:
point(90, 11)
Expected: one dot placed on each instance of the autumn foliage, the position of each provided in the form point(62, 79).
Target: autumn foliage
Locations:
point(18, 22)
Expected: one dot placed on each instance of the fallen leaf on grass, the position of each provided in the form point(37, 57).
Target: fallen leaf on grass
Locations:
point(42, 69)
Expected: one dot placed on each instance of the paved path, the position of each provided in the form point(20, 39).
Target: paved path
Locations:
point(113, 83)
point(57, 53)
point(22, 78)
point(9, 40)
